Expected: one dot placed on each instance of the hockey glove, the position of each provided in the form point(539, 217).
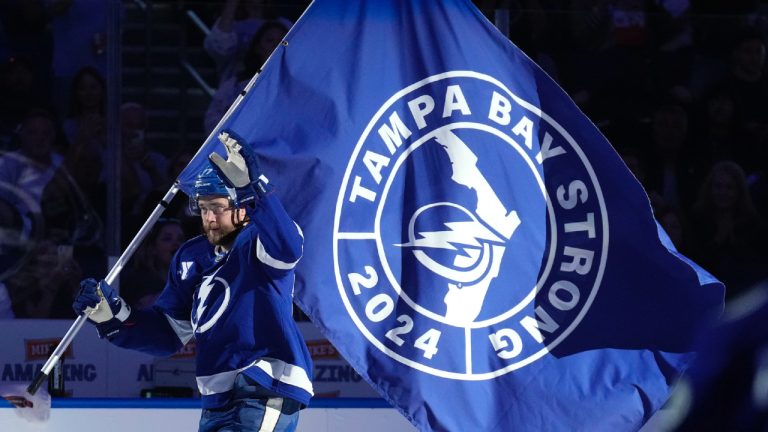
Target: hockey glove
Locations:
point(240, 170)
point(101, 304)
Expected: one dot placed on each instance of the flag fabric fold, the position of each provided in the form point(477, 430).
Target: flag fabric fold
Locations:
point(474, 246)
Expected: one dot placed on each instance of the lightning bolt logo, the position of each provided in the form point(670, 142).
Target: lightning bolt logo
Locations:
point(209, 282)
point(464, 233)
point(202, 294)
point(472, 238)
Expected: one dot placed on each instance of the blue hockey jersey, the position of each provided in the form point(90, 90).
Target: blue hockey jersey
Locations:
point(238, 306)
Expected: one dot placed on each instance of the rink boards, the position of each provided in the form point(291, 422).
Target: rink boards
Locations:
point(94, 368)
point(131, 415)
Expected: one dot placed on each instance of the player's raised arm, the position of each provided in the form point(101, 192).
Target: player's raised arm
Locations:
point(279, 240)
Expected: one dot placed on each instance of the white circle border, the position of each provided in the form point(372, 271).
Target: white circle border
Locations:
point(337, 216)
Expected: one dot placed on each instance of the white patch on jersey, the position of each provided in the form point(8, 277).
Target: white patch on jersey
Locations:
point(185, 266)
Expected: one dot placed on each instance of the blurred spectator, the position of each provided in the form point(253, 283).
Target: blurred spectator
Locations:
point(69, 200)
point(716, 26)
point(145, 277)
point(717, 134)
point(671, 56)
point(672, 172)
point(606, 67)
point(758, 188)
point(26, 172)
point(731, 236)
point(263, 43)
point(634, 161)
point(6, 310)
point(5, 46)
point(85, 129)
point(535, 26)
point(747, 85)
point(230, 36)
point(144, 170)
point(178, 162)
point(45, 285)
point(80, 39)
point(68, 214)
point(27, 29)
point(85, 119)
point(19, 93)
point(17, 234)
point(179, 206)
point(70, 221)
point(674, 224)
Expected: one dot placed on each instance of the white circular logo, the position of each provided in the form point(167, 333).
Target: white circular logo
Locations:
point(470, 232)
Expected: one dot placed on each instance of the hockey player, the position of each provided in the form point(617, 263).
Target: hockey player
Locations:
point(232, 290)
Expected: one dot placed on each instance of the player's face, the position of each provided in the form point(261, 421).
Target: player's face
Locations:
point(216, 215)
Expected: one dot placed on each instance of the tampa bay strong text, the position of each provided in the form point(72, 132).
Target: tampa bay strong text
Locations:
point(470, 232)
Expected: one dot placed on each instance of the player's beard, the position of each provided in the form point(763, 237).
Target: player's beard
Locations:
point(219, 236)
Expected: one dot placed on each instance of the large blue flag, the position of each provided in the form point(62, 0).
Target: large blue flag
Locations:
point(474, 247)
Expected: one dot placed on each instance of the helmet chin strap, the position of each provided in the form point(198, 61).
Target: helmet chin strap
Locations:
point(236, 221)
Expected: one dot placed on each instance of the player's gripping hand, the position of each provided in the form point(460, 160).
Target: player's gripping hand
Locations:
point(240, 170)
point(99, 302)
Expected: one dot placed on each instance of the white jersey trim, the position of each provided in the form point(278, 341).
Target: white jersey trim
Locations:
point(124, 311)
point(272, 411)
point(285, 372)
point(301, 233)
point(182, 328)
point(277, 369)
point(267, 259)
